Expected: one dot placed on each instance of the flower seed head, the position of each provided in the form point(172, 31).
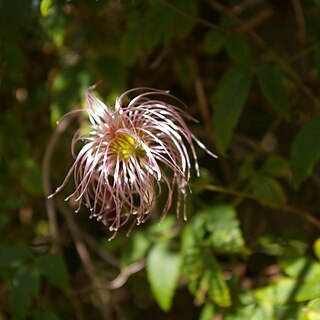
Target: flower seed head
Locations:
point(129, 154)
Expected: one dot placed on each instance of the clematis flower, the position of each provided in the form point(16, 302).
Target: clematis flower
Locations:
point(129, 154)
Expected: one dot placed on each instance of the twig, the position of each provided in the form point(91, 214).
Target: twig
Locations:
point(275, 205)
point(255, 21)
point(203, 103)
point(300, 20)
point(125, 273)
point(191, 16)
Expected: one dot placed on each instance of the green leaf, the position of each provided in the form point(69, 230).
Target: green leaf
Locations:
point(229, 101)
point(45, 7)
point(31, 178)
point(54, 269)
point(277, 166)
point(268, 188)
point(137, 248)
point(223, 228)
point(218, 289)
point(25, 286)
point(13, 256)
point(46, 315)
point(272, 88)
point(163, 268)
point(131, 45)
point(215, 228)
point(213, 42)
point(305, 151)
point(303, 268)
point(208, 312)
point(309, 289)
point(316, 248)
point(237, 48)
point(311, 311)
point(205, 278)
point(278, 293)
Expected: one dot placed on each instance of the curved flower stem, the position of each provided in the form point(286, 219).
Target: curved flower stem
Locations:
point(103, 296)
point(46, 164)
point(307, 216)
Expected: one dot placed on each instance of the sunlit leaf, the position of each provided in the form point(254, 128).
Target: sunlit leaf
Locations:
point(311, 311)
point(309, 289)
point(208, 312)
point(45, 7)
point(163, 269)
point(224, 229)
point(279, 292)
point(316, 248)
point(305, 151)
point(54, 269)
point(25, 287)
point(228, 103)
point(205, 278)
point(303, 268)
point(268, 188)
point(273, 89)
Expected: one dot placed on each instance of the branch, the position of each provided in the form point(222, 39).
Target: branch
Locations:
point(274, 205)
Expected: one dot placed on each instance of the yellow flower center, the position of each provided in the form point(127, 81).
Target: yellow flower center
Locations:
point(125, 146)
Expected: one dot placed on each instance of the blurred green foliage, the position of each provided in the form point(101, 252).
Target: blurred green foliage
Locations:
point(249, 71)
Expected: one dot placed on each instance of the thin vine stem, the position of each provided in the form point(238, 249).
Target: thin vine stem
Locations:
point(307, 216)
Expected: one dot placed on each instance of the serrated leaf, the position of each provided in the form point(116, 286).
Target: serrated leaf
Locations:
point(228, 102)
point(237, 48)
point(276, 165)
point(223, 229)
point(268, 188)
point(305, 151)
point(272, 88)
point(25, 287)
point(205, 278)
point(54, 269)
point(163, 268)
point(218, 289)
